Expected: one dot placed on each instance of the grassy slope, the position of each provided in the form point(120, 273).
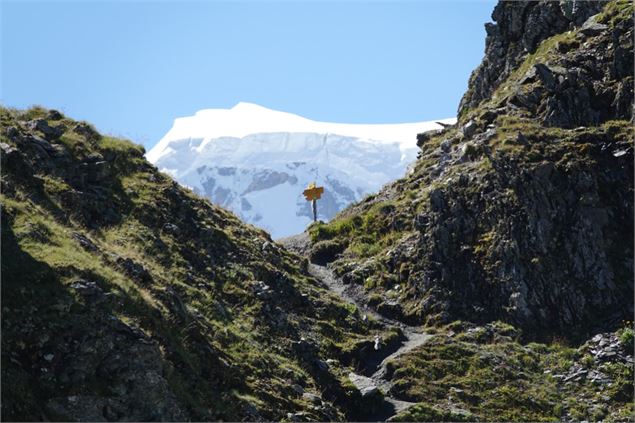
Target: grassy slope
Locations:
point(194, 294)
point(468, 373)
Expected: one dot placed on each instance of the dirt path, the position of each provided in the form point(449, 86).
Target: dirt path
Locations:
point(354, 294)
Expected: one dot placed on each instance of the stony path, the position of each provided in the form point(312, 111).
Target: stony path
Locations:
point(414, 337)
point(354, 294)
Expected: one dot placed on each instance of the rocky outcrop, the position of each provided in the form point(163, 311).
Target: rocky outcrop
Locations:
point(518, 30)
point(501, 246)
point(579, 77)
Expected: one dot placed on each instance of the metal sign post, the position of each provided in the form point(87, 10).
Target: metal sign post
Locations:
point(312, 194)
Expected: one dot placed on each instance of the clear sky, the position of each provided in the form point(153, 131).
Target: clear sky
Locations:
point(131, 67)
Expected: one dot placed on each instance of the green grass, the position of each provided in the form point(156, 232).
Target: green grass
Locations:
point(492, 376)
point(616, 11)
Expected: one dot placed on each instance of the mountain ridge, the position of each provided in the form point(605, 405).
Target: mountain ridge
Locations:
point(249, 118)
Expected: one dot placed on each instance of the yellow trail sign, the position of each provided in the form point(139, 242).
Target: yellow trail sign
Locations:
point(312, 194)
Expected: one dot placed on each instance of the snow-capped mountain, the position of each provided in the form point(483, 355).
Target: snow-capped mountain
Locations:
point(256, 161)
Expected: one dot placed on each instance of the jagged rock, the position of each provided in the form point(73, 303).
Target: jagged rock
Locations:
point(87, 131)
point(548, 75)
point(43, 147)
point(297, 417)
point(137, 390)
point(95, 172)
point(135, 270)
point(519, 29)
point(94, 158)
point(171, 228)
point(426, 136)
point(49, 132)
point(89, 290)
point(6, 150)
point(54, 115)
point(583, 85)
point(13, 133)
point(369, 391)
point(305, 348)
point(437, 199)
point(469, 151)
point(469, 129)
point(262, 290)
point(599, 378)
point(591, 27)
point(446, 145)
point(84, 242)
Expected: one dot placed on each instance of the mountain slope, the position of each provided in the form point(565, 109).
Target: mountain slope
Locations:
point(501, 210)
point(127, 297)
point(521, 213)
point(256, 162)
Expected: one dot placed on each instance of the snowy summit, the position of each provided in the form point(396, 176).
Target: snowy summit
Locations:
point(256, 161)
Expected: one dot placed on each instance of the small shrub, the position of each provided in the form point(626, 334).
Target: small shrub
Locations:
point(324, 252)
point(626, 337)
point(587, 360)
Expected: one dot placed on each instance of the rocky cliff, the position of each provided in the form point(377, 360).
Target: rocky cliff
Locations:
point(127, 297)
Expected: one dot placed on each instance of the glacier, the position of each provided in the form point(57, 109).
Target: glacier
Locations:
point(256, 161)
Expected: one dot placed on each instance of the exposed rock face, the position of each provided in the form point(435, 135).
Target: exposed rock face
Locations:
point(519, 29)
point(100, 352)
point(502, 246)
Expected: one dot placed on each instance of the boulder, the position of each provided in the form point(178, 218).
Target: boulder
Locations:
point(426, 136)
point(591, 27)
point(469, 129)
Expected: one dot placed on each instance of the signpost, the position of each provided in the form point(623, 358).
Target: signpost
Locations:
point(312, 194)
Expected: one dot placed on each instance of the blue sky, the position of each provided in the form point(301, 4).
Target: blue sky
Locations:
point(130, 68)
